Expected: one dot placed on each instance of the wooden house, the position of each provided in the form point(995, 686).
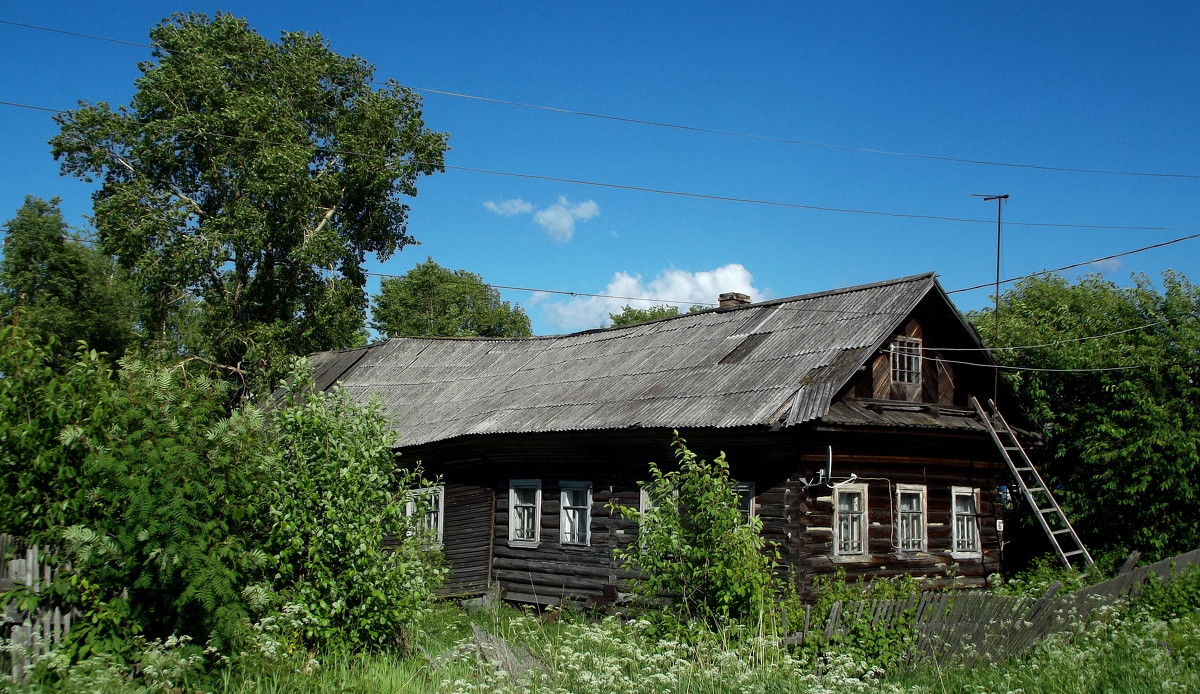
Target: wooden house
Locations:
point(531, 438)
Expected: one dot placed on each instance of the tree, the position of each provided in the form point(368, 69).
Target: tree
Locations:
point(61, 285)
point(431, 300)
point(630, 315)
point(695, 545)
point(247, 180)
point(1123, 444)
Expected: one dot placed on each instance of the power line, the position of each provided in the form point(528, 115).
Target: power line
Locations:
point(1075, 265)
point(700, 129)
point(76, 34)
point(806, 143)
point(701, 196)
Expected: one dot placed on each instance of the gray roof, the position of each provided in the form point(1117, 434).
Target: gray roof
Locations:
point(776, 362)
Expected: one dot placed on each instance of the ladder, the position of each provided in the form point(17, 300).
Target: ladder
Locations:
point(1050, 516)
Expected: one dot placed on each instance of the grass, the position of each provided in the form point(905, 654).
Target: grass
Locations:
point(1149, 647)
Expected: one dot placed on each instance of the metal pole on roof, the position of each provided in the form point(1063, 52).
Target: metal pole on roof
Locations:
point(1000, 199)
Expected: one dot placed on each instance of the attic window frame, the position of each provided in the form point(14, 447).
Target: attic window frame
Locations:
point(907, 356)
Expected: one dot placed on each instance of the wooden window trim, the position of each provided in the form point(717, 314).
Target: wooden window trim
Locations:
point(922, 514)
point(906, 361)
point(864, 524)
point(977, 551)
point(513, 486)
point(437, 508)
point(745, 492)
point(564, 507)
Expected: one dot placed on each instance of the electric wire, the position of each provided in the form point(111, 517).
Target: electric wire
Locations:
point(703, 196)
point(700, 129)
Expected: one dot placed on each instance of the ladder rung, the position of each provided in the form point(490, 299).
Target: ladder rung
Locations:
point(1047, 510)
point(1060, 532)
point(1071, 554)
point(1024, 469)
point(1036, 489)
point(1012, 448)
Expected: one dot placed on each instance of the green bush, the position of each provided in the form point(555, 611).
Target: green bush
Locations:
point(335, 497)
point(697, 549)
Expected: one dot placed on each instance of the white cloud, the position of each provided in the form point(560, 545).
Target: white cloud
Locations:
point(582, 313)
point(559, 219)
point(509, 208)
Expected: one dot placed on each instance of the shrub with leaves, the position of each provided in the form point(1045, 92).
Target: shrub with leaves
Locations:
point(696, 547)
point(336, 496)
point(142, 479)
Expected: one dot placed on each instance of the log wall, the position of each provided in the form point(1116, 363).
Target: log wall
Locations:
point(797, 519)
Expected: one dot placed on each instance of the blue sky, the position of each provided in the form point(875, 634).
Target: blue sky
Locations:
point(1109, 86)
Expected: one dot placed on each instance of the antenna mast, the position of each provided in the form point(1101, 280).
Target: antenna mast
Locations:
point(1000, 200)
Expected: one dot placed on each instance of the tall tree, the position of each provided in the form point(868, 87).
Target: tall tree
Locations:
point(432, 300)
point(247, 180)
point(1119, 406)
point(58, 285)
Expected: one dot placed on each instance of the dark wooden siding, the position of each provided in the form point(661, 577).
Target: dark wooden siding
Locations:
point(466, 538)
point(797, 520)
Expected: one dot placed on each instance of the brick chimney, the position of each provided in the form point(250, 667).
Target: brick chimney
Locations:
point(732, 300)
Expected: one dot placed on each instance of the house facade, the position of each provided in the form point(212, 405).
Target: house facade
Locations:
point(845, 417)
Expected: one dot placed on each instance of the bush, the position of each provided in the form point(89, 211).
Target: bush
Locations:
point(697, 548)
point(335, 497)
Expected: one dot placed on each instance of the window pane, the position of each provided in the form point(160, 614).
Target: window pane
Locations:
point(523, 517)
point(526, 496)
point(576, 497)
point(964, 503)
point(850, 501)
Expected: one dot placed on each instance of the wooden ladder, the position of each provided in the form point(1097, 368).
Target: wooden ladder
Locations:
point(1049, 514)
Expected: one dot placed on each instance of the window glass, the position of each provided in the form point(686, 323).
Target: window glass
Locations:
point(524, 511)
point(906, 360)
point(912, 519)
point(576, 512)
point(850, 521)
point(966, 522)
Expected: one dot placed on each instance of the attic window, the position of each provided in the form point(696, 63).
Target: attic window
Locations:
point(744, 348)
point(906, 360)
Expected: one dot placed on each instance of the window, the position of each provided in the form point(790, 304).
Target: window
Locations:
point(850, 519)
point(576, 512)
point(910, 505)
point(745, 492)
point(965, 536)
point(524, 512)
point(430, 502)
point(906, 360)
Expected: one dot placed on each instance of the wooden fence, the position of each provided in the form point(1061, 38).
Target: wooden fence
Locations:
point(32, 633)
point(970, 628)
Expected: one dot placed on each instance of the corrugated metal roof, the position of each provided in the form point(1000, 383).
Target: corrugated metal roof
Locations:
point(784, 361)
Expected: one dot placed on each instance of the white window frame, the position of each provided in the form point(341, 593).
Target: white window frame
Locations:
point(565, 508)
point(863, 521)
point(906, 360)
point(434, 499)
point(919, 542)
point(959, 550)
point(513, 487)
point(747, 499)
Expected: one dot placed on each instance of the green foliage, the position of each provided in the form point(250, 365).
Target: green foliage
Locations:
point(697, 548)
point(179, 517)
point(430, 300)
point(1123, 446)
point(142, 479)
point(630, 315)
point(336, 496)
point(245, 183)
point(1171, 599)
point(874, 645)
point(63, 288)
